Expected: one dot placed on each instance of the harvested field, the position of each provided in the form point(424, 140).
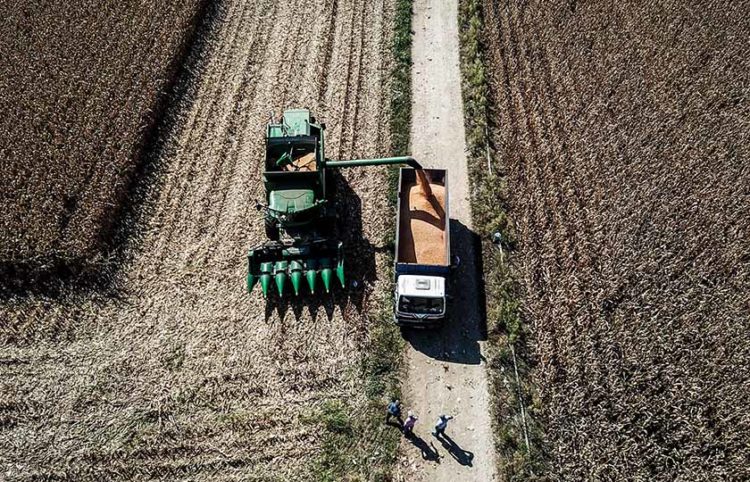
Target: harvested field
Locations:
point(622, 129)
point(81, 83)
point(179, 373)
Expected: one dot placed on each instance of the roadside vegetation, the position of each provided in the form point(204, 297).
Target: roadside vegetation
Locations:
point(400, 92)
point(517, 434)
point(357, 444)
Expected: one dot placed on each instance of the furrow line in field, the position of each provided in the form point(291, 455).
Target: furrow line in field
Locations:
point(187, 125)
point(212, 176)
point(545, 180)
point(294, 66)
point(210, 87)
point(373, 124)
point(535, 213)
point(202, 181)
point(547, 134)
point(578, 305)
point(354, 122)
point(238, 123)
point(503, 112)
point(346, 128)
point(326, 52)
point(540, 270)
point(558, 243)
point(540, 133)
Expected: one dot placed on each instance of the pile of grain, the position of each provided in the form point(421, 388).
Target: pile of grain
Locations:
point(422, 237)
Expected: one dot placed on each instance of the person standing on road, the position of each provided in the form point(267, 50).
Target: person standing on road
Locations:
point(441, 425)
point(394, 410)
point(409, 424)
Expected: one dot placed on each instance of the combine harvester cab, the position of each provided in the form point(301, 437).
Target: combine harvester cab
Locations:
point(299, 216)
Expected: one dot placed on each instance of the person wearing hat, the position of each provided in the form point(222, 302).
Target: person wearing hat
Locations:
point(441, 425)
point(411, 419)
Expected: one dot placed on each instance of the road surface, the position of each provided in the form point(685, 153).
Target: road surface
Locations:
point(446, 368)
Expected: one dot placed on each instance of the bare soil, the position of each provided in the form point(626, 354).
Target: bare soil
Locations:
point(174, 371)
point(622, 128)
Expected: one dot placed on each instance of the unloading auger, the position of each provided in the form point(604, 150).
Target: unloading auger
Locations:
point(300, 213)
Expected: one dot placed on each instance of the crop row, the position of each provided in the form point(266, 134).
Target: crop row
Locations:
point(81, 85)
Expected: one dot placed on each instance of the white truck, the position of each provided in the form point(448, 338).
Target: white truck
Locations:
point(423, 260)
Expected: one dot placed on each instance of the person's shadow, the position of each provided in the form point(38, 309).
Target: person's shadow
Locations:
point(429, 452)
point(463, 457)
point(399, 423)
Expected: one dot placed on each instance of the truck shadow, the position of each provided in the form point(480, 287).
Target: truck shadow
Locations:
point(359, 268)
point(457, 339)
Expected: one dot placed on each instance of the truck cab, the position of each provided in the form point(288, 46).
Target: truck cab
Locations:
point(420, 299)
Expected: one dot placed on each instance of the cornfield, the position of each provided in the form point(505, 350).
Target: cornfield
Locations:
point(172, 371)
point(81, 83)
point(622, 130)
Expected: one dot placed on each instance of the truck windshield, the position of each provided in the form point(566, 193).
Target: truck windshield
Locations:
point(419, 306)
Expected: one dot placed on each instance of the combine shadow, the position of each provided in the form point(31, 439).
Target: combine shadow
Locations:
point(359, 267)
point(457, 340)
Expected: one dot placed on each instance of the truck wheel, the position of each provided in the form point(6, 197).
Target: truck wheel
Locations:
point(272, 229)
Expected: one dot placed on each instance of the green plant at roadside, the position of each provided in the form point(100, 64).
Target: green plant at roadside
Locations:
point(400, 119)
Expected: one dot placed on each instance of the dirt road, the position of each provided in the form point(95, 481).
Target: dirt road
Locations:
point(446, 367)
point(175, 371)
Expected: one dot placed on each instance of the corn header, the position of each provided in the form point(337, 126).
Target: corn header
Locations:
point(300, 209)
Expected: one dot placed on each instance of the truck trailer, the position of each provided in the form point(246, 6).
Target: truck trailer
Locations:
point(423, 259)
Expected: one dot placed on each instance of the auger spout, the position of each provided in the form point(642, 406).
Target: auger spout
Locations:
point(384, 161)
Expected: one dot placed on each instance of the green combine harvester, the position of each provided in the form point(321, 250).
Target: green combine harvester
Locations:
point(300, 213)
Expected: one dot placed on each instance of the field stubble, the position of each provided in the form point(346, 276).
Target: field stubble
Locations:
point(622, 131)
point(182, 373)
